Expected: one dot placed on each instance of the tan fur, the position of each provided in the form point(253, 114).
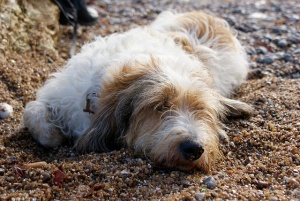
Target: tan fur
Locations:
point(138, 105)
point(207, 25)
point(145, 110)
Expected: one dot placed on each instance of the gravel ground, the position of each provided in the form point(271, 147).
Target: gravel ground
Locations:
point(261, 161)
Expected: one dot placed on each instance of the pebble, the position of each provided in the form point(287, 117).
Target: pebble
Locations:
point(261, 50)
point(279, 30)
point(231, 20)
point(210, 182)
point(297, 51)
point(125, 172)
point(295, 39)
point(257, 15)
point(278, 55)
point(199, 196)
point(185, 183)
point(282, 43)
point(266, 60)
point(293, 183)
point(46, 177)
point(294, 17)
point(288, 57)
point(2, 171)
point(262, 184)
point(6, 110)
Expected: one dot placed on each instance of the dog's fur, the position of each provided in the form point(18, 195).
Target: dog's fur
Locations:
point(161, 90)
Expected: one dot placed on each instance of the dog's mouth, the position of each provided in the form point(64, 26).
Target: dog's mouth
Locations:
point(183, 164)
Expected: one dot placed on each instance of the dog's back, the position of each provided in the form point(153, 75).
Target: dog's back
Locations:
point(212, 41)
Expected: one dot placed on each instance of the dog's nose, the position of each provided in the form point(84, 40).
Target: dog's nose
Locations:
point(191, 150)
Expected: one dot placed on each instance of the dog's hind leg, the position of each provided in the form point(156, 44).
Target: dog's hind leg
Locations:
point(37, 119)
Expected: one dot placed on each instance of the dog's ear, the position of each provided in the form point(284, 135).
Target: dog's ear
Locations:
point(236, 109)
point(112, 117)
point(108, 126)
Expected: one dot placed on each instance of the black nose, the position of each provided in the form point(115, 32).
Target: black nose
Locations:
point(191, 150)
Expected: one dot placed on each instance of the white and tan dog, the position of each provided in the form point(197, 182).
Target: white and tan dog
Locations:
point(161, 90)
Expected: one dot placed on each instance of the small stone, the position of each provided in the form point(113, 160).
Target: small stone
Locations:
point(185, 183)
point(266, 60)
point(6, 110)
point(261, 50)
point(46, 177)
point(210, 182)
point(262, 184)
point(295, 39)
point(295, 171)
point(297, 51)
point(199, 196)
point(296, 193)
point(258, 15)
point(256, 73)
point(293, 183)
point(239, 10)
point(294, 17)
point(2, 171)
point(83, 190)
point(125, 172)
point(280, 29)
point(288, 57)
point(278, 55)
point(231, 20)
point(282, 43)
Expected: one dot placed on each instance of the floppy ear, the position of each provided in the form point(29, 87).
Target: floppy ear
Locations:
point(111, 119)
point(237, 109)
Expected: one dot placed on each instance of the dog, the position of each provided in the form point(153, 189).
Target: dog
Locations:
point(162, 90)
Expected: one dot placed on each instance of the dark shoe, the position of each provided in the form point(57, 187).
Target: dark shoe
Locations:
point(87, 16)
point(68, 14)
point(71, 14)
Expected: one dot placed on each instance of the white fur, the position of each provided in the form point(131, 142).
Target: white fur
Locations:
point(63, 97)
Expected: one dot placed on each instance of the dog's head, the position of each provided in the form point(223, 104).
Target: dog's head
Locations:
point(173, 116)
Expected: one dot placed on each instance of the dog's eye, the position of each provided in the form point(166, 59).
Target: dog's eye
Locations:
point(162, 106)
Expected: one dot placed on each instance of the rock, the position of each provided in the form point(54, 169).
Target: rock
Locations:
point(199, 196)
point(265, 60)
point(2, 171)
point(297, 51)
point(250, 50)
point(278, 55)
point(210, 182)
point(248, 27)
point(239, 10)
point(296, 193)
point(28, 19)
point(231, 20)
point(261, 50)
point(262, 184)
point(46, 177)
point(293, 17)
point(288, 57)
point(293, 183)
point(185, 183)
point(279, 30)
point(125, 172)
point(295, 39)
point(282, 43)
point(6, 110)
point(257, 15)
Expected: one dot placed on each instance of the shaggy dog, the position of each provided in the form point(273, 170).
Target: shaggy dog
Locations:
point(161, 90)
